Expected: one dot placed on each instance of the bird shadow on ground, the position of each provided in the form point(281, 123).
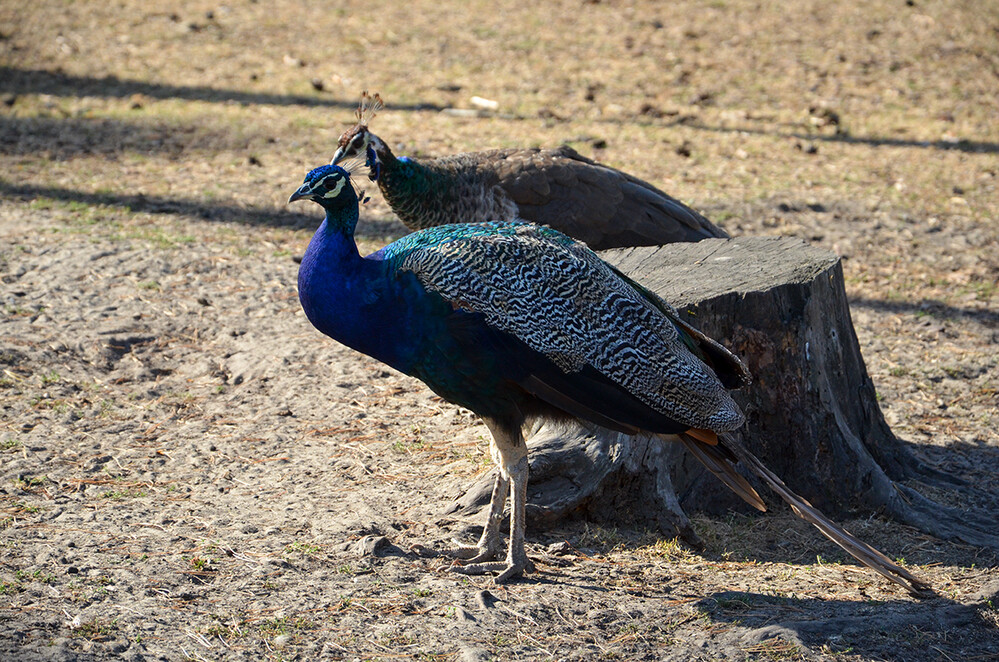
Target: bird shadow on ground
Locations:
point(37, 81)
point(777, 625)
point(369, 227)
point(888, 630)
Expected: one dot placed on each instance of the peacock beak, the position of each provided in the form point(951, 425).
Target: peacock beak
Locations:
point(304, 191)
point(338, 156)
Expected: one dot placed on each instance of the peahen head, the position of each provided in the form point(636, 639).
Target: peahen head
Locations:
point(358, 142)
point(331, 188)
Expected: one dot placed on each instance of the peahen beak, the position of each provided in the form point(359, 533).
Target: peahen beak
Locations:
point(304, 191)
point(338, 156)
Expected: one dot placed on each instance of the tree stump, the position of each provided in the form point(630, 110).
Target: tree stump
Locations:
point(812, 415)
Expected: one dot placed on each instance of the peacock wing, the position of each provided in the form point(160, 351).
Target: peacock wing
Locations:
point(729, 368)
point(561, 301)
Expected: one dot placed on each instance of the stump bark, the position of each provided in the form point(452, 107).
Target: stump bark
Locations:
point(812, 414)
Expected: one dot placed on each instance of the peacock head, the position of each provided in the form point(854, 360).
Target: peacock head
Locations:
point(358, 142)
point(330, 187)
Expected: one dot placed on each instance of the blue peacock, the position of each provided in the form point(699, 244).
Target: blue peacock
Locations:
point(604, 207)
point(516, 321)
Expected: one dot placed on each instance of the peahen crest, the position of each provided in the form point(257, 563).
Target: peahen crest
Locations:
point(359, 138)
point(368, 107)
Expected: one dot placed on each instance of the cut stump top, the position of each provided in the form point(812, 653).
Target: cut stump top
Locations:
point(689, 273)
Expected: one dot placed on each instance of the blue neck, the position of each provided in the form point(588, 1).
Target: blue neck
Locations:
point(354, 300)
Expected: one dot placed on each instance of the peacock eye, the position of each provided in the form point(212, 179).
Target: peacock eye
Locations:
point(331, 182)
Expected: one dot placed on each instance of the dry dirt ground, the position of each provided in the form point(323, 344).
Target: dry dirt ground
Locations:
point(189, 471)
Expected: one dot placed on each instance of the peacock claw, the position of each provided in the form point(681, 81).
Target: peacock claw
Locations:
point(473, 554)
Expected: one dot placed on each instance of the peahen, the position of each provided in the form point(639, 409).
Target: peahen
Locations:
point(516, 321)
point(599, 205)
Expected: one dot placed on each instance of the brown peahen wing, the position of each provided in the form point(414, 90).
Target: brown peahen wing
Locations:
point(597, 204)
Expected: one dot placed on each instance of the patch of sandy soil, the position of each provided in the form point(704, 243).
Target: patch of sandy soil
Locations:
point(189, 471)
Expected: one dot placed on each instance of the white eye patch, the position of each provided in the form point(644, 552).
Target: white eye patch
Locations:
point(335, 192)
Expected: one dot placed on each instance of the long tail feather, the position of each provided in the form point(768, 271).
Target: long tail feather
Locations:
point(714, 458)
point(860, 550)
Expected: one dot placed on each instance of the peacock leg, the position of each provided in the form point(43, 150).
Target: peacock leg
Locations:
point(516, 556)
point(491, 541)
point(508, 443)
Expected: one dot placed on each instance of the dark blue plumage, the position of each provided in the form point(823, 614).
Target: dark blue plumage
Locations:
point(514, 321)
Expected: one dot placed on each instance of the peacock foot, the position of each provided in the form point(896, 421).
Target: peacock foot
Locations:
point(507, 569)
